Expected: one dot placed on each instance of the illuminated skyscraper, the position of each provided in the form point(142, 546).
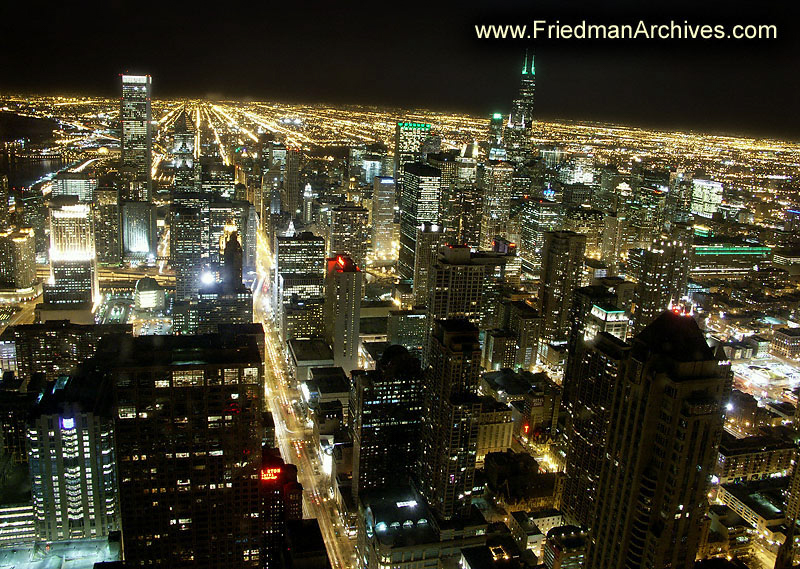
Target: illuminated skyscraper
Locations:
point(661, 273)
point(350, 232)
point(73, 263)
point(429, 240)
point(107, 225)
point(138, 230)
point(78, 184)
point(495, 181)
point(706, 197)
point(562, 266)
point(408, 138)
point(383, 198)
point(308, 205)
point(17, 259)
point(137, 134)
point(343, 292)
point(665, 422)
point(72, 461)
point(183, 153)
point(538, 217)
point(517, 135)
point(292, 198)
point(281, 501)
point(420, 197)
point(186, 258)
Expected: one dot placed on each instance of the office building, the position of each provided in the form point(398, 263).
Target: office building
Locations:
point(383, 201)
point(655, 478)
point(495, 179)
point(419, 203)
point(139, 234)
point(517, 134)
point(408, 139)
point(385, 417)
point(565, 548)
point(292, 198)
point(186, 234)
point(78, 184)
point(429, 239)
point(350, 233)
point(538, 217)
point(137, 135)
point(72, 461)
point(41, 353)
point(450, 410)
point(562, 265)
point(706, 197)
point(18, 259)
point(73, 262)
point(281, 498)
point(343, 293)
point(408, 328)
point(188, 420)
point(107, 220)
point(661, 272)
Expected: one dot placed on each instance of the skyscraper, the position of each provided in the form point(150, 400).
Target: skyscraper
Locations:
point(188, 421)
point(661, 273)
point(408, 138)
point(73, 263)
point(385, 417)
point(292, 198)
point(450, 410)
point(343, 292)
point(107, 225)
point(495, 181)
point(562, 265)
point(517, 134)
point(383, 199)
point(17, 259)
point(419, 203)
point(72, 461)
point(228, 301)
point(350, 233)
point(430, 238)
point(665, 421)
point(137, 135)
point(187, 247)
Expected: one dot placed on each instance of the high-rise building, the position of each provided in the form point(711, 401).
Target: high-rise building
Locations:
point(308, 205)
point(430, 238)
point(350, 233)
point(419, 203)
point(538, 217)
point(72, 461)
point(292, 198)
point(383, 200)
point(495, 181)
point(562, 265)
point(18, 259)
point(107, 222)
point(385, 417)
point(188, 420)
point(137, 135)
point(665, 421)
point(408, 138)
point(4, 195)
point(343, 293)
point(73, 262)
point(517, 135)
point(187, 247)
point(138, 230)
point(451, 408)
point(595, 370)
point(661, 273)
point(466, 285)
point(706, 197)
point(183, 152)
point(78, 184)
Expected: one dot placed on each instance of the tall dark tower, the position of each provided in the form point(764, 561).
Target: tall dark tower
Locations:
point(232, 271)
point(517, 135)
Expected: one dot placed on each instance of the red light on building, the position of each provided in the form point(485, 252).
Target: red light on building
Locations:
point(526, 428)
point(270, 474)
point(340, 260)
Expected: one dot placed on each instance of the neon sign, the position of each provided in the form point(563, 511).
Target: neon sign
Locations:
point(270, 474)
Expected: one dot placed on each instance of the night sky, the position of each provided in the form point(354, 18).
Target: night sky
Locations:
point(417, 54)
